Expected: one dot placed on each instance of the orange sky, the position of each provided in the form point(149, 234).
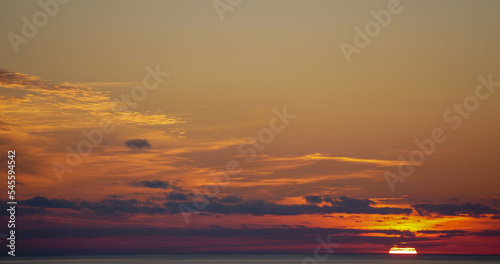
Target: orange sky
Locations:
point(173, 96)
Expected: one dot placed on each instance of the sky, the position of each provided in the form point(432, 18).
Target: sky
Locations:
point(225, 126)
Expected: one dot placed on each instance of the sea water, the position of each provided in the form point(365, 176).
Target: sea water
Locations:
point(258, 259)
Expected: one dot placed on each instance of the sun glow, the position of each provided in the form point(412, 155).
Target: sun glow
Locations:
point(403, 250)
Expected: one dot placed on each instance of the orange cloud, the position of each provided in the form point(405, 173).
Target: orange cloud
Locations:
point(382, 163)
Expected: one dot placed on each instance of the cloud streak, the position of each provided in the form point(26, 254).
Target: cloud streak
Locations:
point(469, 209)
point(227, 206)
point(378, 162)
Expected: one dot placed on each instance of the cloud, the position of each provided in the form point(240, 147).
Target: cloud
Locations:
point(313, 199)
point(352, 202)
point(176, 196)
point(461, 233)
point(349, 205)
point(488, 233)
point(39, 201)
point(113, 206)
point(342, 205)
point(445, 233)
point(9, 79)
point(231, 205)
point(213, 231)
point(138, 144)
point(150, 184)
point(31, 101)
point(231, 199)
point(470, 209)
point(407, 233)
point(382, 163)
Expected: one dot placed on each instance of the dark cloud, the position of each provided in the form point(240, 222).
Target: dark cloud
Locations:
point(407, 233)
point(104, 207)
point(342, 205)
point(138, 144)
point(228, 205)
point(150, 184)
point(313, 199)
point(488, 233)
point(113, 206)
point(361, 206)
point(445, 233)
point(353, 205)
point(470, 209)
point(352, 202)
point(51, 203)
point(176, 196)
point(231, 199)
point(212, 231)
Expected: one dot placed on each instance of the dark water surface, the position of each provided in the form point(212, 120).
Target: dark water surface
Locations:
point(258, 259)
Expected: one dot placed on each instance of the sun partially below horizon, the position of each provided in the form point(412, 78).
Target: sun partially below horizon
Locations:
point(403, 250)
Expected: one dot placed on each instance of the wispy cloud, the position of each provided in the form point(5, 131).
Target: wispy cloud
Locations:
point(378, 162)
point(37, 105)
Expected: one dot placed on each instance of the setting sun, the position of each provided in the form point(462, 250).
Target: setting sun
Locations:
point(403, 250)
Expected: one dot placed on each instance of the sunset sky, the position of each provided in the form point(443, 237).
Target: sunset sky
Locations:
point(300, 139)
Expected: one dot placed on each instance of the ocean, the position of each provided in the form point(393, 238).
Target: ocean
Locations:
point(258, 259)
